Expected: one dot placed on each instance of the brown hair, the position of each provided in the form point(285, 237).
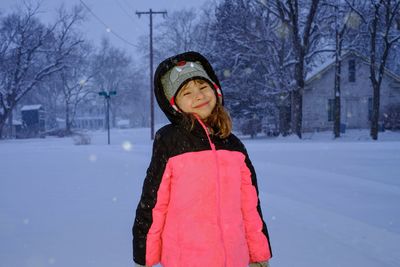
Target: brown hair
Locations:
point(219, 121)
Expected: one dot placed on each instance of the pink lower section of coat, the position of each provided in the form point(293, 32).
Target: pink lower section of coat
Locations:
point(206, 213)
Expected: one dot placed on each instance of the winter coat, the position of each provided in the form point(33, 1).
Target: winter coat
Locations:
point(199, 205)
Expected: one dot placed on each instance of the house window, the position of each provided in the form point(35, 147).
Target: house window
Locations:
point(331, 109)
point(369, 109)
point(352, 70)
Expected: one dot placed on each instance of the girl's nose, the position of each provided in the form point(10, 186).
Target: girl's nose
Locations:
point(199, 95)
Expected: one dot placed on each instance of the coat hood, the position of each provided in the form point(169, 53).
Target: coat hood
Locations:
point(173, 115)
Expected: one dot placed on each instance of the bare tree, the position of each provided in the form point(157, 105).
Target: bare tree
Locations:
point(301, 22)
point(75, 83)
point(76, 75)
point(344, 26)
point(380, 19)
point(252, 55)
point(182, 30)
point(30, 52)
point(113, 68)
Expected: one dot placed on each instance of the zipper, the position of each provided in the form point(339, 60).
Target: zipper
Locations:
point(218, 186)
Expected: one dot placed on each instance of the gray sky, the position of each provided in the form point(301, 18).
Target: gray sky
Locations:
point(118, 15)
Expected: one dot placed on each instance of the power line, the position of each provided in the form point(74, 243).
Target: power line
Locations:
point(108, 29)
point(128, 4)
point(124, 10)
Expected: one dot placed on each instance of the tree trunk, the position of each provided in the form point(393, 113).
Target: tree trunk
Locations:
point(297, 97)
point(336, 126)
point(3, 118)
point(337, 96)
point(10, 125)
point(374, 81)
point(284, 118)
point(297, 112)
point(284, 113)
point(1, 129)
point(67, 119)
point(375, 112)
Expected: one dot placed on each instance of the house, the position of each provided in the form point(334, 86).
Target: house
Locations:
point(90, 117)
point(356, 94)
point(89, 122)
point(33, 120)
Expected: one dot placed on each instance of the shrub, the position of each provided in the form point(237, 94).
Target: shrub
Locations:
point(81, 139)
point(391, 118)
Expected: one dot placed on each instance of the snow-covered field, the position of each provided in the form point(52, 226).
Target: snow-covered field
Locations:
point(326, 202)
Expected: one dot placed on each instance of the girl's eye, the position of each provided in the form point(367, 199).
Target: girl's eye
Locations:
point(186, 93)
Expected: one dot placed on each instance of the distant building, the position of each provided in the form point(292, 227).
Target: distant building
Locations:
point(123, 123)
point(89, 122)
point(33, 120)
point(356, 94)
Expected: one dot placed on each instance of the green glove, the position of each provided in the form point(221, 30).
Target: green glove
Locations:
point(259, 264)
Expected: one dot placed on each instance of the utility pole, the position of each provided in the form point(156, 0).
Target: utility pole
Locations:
point(151, 12)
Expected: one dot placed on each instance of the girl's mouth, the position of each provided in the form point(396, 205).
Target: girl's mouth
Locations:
point(202, 105)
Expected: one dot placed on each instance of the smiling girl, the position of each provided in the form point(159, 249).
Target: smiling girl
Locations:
point(199, 205)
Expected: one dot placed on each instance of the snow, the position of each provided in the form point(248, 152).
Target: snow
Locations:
point(31, 107)
point(326, 202)
point(15, 122)
point(320, 69)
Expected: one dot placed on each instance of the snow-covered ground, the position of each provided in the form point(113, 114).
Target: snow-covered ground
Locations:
point(326, 202)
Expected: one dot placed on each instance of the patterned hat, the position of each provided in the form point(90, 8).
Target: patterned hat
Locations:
point(173, 80)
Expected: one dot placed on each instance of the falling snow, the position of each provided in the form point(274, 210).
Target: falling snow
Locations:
point(227, 73)
point(352, 20)
point(92, 158)
point(127, 146)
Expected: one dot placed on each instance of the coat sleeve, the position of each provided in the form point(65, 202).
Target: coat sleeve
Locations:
point(152, 208)
point(255, 227)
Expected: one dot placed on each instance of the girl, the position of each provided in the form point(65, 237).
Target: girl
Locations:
point(199, 205)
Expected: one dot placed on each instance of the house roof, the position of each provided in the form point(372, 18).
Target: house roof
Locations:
point(318, 71)
point(31, 107)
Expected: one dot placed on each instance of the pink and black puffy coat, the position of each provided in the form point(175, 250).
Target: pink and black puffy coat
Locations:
point(199, 205)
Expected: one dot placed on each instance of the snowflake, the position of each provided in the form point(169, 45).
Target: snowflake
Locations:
point(92, 158)
point(282, 31)
point(352, 20)
point(82, 82)
point(127, 146)
point(227, 73)
point(51, 260)
point(264, 2)
point(248, 70)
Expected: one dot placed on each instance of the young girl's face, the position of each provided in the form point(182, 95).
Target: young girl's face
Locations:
point(197, 97)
